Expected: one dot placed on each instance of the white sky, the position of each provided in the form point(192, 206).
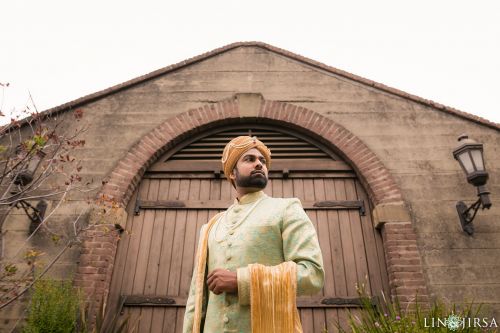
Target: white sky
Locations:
point(446, 51)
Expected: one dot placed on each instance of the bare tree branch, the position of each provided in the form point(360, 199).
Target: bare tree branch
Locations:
point(68, 245)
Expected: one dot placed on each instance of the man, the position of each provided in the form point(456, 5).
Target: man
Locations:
point(254, 258)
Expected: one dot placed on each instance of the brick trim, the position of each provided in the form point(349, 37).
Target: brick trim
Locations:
point(95, 265)
point(404, 265)
point(373, 175)
point(124, 179)
point(127, 174)
point(403, 260)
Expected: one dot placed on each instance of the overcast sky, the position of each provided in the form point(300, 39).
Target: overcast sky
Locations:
point(446, 51)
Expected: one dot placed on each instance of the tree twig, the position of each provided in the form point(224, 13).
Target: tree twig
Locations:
point(38, 277)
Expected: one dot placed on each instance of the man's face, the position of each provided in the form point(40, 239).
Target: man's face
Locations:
point(251, 170)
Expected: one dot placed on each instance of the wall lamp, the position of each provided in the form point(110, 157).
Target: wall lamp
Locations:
point(469, 154)
point(25, 175)
point(22, 178)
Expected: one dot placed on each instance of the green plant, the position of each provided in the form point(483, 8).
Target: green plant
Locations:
point(113, 324)
point(54, 307)
point(58, 307)
point(39, 170)
point(388, 316)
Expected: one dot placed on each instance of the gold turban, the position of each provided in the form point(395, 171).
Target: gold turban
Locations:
point(237, 147)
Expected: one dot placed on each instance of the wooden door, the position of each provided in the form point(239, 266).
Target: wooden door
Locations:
point(184, 189)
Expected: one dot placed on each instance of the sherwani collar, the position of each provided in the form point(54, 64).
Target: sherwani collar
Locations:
point(249, 198)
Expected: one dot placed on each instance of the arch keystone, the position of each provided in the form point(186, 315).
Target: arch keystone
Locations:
point(249, 104)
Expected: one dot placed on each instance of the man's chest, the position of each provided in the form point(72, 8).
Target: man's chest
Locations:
point(243, 236)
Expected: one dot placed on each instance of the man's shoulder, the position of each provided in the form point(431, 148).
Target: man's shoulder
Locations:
point(284, 202)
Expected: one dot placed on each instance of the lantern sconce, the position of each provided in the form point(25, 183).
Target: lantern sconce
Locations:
point(23, 178)
point(469, 154)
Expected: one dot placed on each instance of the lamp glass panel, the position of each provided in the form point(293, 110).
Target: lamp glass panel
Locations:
point(33, 163)
point(466, 162)
point(477, 156)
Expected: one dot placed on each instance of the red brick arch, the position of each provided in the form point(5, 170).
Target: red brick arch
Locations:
point(404, 265)
point(127, 174)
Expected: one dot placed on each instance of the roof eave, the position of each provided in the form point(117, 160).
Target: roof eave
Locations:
point(116, 88)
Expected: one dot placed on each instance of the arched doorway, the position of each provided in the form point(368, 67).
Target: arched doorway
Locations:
point(186, 186)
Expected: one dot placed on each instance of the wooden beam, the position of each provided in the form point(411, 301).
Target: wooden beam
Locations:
point(217, 174)
point(224, 204)
point(292, 165)
point(332, 302)
point(302, 302)
point(153, 300)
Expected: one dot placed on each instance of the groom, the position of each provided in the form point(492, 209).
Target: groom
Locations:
point(255, 229)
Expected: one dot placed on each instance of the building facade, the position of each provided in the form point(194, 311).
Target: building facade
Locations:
point(372, 165)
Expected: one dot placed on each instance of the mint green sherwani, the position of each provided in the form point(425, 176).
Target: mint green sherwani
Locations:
point(256, 229)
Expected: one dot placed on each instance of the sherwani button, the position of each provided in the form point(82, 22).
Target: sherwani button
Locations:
point(226, 319)
point(231, 232)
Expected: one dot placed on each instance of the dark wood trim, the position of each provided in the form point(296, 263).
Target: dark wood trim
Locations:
point(224, 204)
point(228, 130)
point(336, 204)
point(333, 302)
point(215, 143)
point(152, 300)
point(217, 174)
point(310, 164)
point(216, 156)
point(302, 302)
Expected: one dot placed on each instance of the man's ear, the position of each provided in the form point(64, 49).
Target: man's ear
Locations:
point(233, 174)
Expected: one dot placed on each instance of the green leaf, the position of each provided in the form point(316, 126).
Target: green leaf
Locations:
point(39, 140)
point(10, 269)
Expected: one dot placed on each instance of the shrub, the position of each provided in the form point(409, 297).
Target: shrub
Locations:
point(54, 307)
point(387, 316)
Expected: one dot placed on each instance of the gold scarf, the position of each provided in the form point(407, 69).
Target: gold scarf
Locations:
point(200, 273)
point(272, 293)
point(273, 298)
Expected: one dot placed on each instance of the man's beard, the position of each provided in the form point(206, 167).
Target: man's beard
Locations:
point(254, 180)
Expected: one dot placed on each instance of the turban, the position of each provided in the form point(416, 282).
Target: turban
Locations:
point(237, 147)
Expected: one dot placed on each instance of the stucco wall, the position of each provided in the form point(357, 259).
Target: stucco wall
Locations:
point(413, 140)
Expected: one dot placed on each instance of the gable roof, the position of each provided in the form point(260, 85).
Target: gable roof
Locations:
point(315, 64)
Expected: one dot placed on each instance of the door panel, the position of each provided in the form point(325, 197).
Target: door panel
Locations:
point(156, 253)
point(185, 187)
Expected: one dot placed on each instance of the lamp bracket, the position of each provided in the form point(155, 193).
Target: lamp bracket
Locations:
point(37, 213)
point(34, 216)
point(466, 218)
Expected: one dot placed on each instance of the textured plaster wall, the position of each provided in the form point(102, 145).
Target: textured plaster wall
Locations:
point(414, 142)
